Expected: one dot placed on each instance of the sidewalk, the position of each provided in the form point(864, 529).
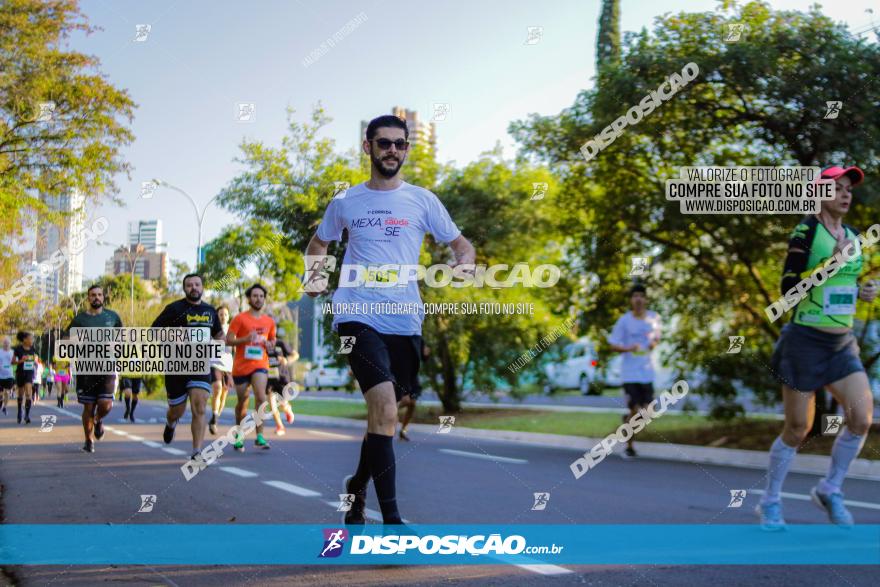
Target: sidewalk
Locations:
point(611, 408)
point(577, 445)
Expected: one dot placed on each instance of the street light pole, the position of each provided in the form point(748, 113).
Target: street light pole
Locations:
point(139, 250)
point(200, 216)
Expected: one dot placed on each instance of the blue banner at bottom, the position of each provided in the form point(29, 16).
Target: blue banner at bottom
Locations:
point(227, 544)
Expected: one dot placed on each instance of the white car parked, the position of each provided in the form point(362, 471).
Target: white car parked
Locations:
point(321, 377)
point(579, 369)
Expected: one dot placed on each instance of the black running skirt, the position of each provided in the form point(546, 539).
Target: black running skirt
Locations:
point(806, 359)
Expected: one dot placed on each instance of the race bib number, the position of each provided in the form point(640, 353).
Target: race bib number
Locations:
point(253, 352)
point(273, 372)
point(381, 277)
point(28, 366)
point(839, 300)
point(62, 372)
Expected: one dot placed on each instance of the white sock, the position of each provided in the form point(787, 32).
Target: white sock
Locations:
point(781, 456)
point(846, 448)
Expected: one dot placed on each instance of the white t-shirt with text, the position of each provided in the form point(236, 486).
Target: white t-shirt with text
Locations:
point(384, 227)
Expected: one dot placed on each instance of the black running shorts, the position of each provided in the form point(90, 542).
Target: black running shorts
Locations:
point(177, 386)
point(132, 383)
point(638, 394)
point(378, 357)
point(91, 388)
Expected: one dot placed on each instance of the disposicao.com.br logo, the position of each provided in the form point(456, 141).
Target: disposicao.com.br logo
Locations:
point(431, 544)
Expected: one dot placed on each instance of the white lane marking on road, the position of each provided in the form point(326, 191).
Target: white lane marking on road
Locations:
point(368, 513)
point(116, 432)
point(802, 497)
point(65, 412)
point(479, 455)
point(151, 444)
point(545, 569)
point(295, 489)
point(238, 472)
point(375, 516)
point(331, 434)
point(173, 451)
point(136, 437)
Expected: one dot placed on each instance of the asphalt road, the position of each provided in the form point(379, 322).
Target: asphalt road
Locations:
point(442, 478)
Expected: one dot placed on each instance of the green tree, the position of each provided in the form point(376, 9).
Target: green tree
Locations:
point(760, 101)
point(252, 243)
point(491, 202)
point(608, 41)
point(175, 279)
point(76, 146)
point(288, 187)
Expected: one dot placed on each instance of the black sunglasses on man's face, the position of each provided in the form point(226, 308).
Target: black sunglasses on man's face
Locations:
point(385, 144)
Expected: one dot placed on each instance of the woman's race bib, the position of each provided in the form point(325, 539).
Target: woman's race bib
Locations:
point(28, 365)
point(839, 300)
point(273, 372)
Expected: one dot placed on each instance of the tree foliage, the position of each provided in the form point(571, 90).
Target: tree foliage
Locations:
point(759, 101)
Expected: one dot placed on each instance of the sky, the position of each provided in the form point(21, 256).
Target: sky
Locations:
point(201, 58)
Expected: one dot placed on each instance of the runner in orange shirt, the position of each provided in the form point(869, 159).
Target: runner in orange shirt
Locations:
point(251, 333)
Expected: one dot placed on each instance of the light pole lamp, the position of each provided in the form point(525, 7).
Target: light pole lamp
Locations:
point(132, 261)
point(200, 216)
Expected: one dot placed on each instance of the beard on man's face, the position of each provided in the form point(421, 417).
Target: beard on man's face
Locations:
point(96, 303)
point(381, 164)
point(193, 295)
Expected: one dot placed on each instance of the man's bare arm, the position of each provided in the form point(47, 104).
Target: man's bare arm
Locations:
point(464, 251)
point(316, 248)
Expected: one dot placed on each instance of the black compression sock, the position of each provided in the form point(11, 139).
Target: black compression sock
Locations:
point(134, 404)
point(380, 453)
point(362, 475)
point(127, 404)
point(19, 408)
point(27, 409)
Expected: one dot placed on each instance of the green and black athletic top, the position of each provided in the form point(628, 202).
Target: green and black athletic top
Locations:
point(832, 304)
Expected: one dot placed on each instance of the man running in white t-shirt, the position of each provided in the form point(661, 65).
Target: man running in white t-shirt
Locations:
point(386, 219)
point(635, 334)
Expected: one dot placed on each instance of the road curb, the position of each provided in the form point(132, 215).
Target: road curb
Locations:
point(749, 459)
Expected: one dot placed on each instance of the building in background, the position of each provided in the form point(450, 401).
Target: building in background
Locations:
point(52, 237)
point(419, 132)
point(147, 264)
point(147, 233)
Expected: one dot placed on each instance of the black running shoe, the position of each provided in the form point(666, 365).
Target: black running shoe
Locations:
point(131, 418)
point(89, 446)
point(212, 425)
point(99, 429)
point(125, 415)
point(27, 419)
point(629, 453)
point(168, 434)
point(355, 516)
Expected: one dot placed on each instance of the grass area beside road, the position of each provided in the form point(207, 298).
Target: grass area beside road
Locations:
point(749, 433)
